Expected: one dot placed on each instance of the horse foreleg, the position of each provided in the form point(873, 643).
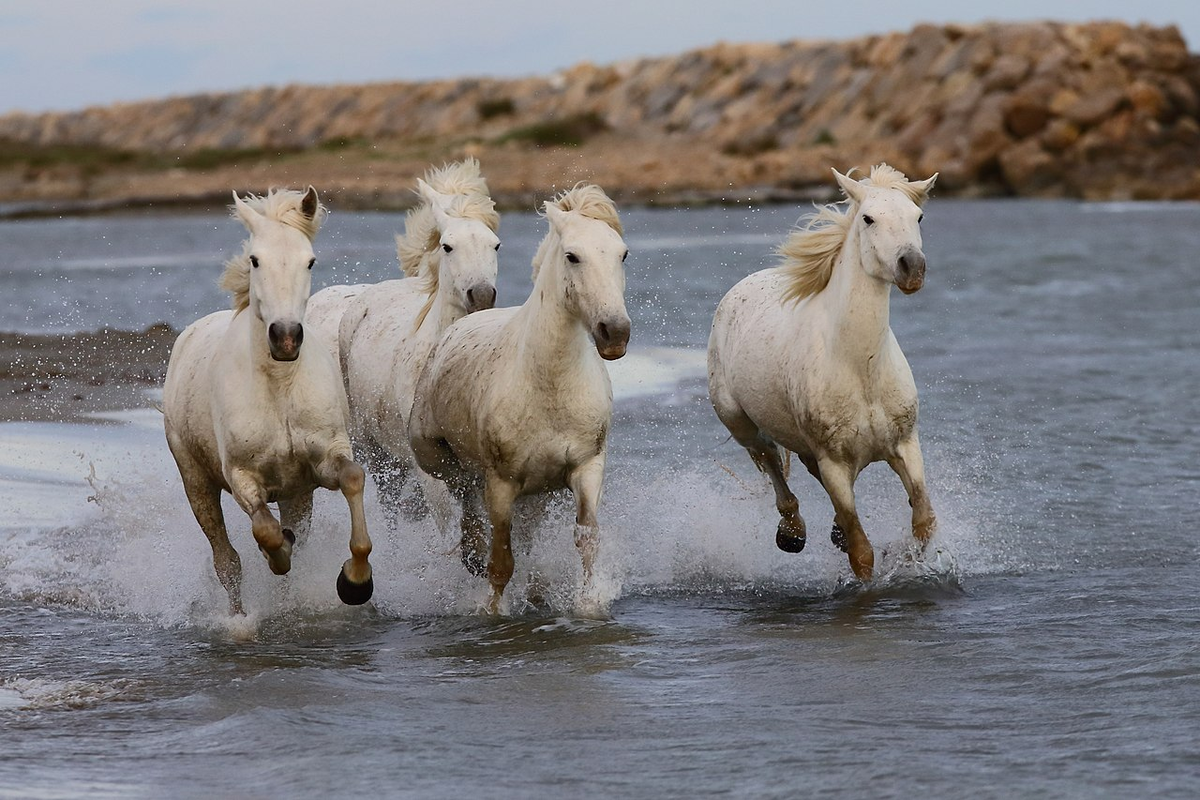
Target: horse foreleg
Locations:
point(274, 542)
point(838, 480)
point(499, 495)
point(587, 484)
point(205, 499)
point(354, 582)
point(910, 466)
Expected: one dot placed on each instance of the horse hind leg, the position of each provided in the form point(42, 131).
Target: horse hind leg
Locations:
point(205, 499)
point(791, 534)
point(295, 515)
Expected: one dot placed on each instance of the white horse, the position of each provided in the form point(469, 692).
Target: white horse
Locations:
point(249, 410)
point(518, 399)
point(387, 331)
point(802, 358)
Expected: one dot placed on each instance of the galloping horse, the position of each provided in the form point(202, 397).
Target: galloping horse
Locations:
point(386, 331)
point(250, 410)
point(518, 399)
point(802, 357)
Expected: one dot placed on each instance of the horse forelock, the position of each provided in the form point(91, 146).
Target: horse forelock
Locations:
point(280, 205)
point(588, 200)
point(885, 176)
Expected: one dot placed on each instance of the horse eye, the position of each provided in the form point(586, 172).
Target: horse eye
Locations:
point(920, 218)
point(574, 259)
point(447, 248)
point(311, 262)
point(869, 220)
point(625, 256)
point(254, 261)
point(497, 247)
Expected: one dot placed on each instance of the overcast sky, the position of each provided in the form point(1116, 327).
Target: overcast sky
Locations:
point(64, 54)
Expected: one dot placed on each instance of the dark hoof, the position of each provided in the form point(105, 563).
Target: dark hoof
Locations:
point(354, 594)
point(788, 543)
point(790, 536)
point(838, 537)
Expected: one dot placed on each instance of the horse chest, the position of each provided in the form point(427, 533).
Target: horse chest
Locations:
point(280, 442)
point(857, 425)
point(565, 440)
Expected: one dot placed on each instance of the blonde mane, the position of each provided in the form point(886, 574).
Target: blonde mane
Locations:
point(418, 248)
point(280, 205)
point(591, 202)
point(810, 252)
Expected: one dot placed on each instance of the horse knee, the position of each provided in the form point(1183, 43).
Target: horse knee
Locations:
point(351, 477)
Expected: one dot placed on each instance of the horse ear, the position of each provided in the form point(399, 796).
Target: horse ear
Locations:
point(922, 188)
point(853, 189)
point(426, 192)
point(309, 203)
point(244, 212)
point(556, 215)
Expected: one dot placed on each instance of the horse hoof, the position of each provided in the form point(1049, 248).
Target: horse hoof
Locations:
point(838, 537)
point(790, 536)
point(354, 594)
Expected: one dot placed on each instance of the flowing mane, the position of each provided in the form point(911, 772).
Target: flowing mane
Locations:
point(810, 252)
point(590, 201)
point(280, 205)
point(417, 249)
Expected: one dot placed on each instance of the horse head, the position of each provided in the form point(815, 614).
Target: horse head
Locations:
point(277, 263)
point(886, 224)
point(468, 260)
point(591, 256)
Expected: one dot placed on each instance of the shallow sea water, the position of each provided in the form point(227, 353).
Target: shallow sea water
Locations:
point(1047, 647)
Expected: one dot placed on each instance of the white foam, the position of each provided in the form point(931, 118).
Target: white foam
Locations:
point(704, 525)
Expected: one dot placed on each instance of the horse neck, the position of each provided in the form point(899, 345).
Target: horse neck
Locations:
point(859, 306)
point(444, 312)
point(554, 343)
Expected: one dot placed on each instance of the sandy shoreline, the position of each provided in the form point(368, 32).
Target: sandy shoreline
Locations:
point(64, 377)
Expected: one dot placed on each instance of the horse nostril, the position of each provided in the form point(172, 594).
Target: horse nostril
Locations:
point(481, 297)
point(602, 332)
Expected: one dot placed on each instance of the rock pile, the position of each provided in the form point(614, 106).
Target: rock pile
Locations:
point(1096, 110)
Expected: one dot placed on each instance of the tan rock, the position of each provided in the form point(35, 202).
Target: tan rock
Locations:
point(1146, 98)
point(1059, 135)
point(1025, 115)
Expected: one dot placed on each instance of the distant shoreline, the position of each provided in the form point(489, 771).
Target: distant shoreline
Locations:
point(1092, 111)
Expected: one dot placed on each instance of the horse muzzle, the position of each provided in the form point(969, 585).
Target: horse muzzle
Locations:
point(910, 271)
point(481, 298)
point(284, 340)
point(611, 338)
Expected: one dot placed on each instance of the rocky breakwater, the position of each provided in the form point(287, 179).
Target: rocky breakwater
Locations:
point(1095, 110)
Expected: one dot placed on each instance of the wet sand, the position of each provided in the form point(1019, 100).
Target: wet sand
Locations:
point(63, 377)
